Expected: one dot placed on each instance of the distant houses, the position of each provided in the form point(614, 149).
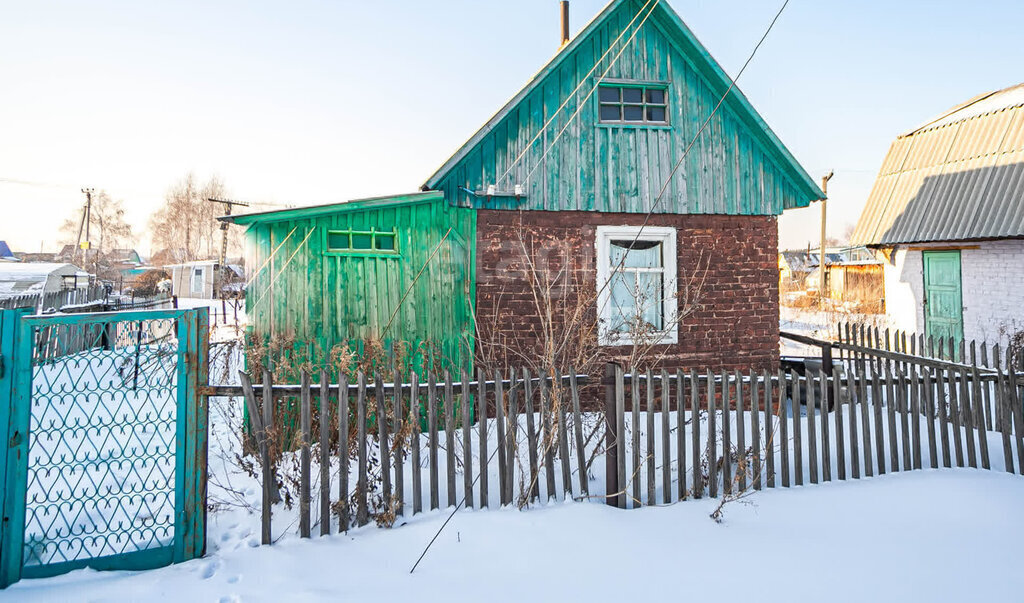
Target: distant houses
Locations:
point(200, 279)
point(946, 215)
point(19, 278)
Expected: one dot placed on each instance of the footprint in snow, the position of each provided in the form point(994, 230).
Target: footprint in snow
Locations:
point(210, 569)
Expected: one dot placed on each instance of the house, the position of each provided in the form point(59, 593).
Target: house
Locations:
point(946, 215)
point(6, 255)
point(198, 279)
point(572, 187)
point(17, 278)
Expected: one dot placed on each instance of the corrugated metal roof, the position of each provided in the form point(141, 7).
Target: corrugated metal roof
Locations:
point(958, 177)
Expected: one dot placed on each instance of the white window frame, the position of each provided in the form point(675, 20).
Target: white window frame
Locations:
point(663, 234)
point(199, 271)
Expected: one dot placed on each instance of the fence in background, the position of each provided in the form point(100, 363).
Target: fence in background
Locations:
point(53, 299)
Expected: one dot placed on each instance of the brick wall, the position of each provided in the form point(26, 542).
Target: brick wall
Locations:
point(727, 266)
point(991, 273)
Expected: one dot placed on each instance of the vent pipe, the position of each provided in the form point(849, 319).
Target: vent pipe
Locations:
point(565, 23)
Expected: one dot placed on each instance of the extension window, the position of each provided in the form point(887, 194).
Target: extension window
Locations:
point(636, 279)
point(371, 242)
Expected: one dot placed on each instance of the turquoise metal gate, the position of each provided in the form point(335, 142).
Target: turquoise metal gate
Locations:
point(106, 432)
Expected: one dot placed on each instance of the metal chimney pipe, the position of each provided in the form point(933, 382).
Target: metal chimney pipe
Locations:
point(565, 22)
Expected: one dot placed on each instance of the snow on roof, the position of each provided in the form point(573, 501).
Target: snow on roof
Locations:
point(35, 271)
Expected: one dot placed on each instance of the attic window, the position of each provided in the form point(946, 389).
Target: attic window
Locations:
point(362, 242)
point(640, 104)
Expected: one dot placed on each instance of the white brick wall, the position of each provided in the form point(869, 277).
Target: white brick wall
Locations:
point(993, 290)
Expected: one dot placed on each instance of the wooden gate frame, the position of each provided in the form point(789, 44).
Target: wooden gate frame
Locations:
point(190, 442)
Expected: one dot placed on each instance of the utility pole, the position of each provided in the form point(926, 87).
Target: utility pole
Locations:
point(821, 254)
point(228, 204)
point(87, 219)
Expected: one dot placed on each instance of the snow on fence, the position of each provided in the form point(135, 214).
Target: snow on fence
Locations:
point(53, 299)
point(664, 436)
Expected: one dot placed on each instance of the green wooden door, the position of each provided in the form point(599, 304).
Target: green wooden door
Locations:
point(943, 305)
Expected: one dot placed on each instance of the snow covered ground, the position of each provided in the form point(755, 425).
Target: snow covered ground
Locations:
point(925, 536)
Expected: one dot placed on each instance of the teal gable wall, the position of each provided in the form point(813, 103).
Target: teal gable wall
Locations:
point(737, 166)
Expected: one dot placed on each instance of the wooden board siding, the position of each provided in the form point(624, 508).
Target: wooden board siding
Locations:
point(737, 166)
point(327, 298)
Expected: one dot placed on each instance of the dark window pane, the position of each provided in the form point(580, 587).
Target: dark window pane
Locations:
point(656, 97)
point(634, 113)
point(337, 240)
point(632, 95)
point(361, 241)
point(610, 113)
point(608, 94)
point(655, 114)
point(386, 242)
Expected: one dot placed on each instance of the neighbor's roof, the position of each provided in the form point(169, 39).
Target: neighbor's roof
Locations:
point(34, 271)
point(5, 251)
point(310, 211)
point(707, 66)
point(958, 177)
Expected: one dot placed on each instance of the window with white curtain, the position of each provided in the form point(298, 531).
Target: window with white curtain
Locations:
point(636, 279)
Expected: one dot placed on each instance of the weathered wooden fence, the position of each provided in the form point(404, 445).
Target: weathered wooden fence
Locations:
point(53, 299)
point(433, 424)
point(665, 435)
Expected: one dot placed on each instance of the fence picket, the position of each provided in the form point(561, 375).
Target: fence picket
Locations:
point(943, 417)
point(577, 425)
point(344, 516)
point(954, 413)
point(712, 438)
point(558, 402)
point(666, 447)
point(928, 399)
point(414, 443)
point(448, 408)
point(398, 442)
point(649, 456)
point(1015, 405)
point(795, 413)
point(755, 427)
point(783, 431)
point(531, 434)
point(891, 403)
point(726, 434)
point(467, 442)
point(979, 410)
point(512, 435)
point(967, 418)
point(812, 436)
point(1002, 410)
point(769, 431)
point(866, 412)
point(481, 417)
point(548, 436)
point(698, 485)
point(681, 435)
point(826, 452)
point(383, 433)
point(620, 440)
point(305, 418)
point(499, 425)
point(432, 437)
point(634, 400)
point(362, 511)
point(741, 441)
point(325, 455)
point(915, 414)
point(271, 438)
point(904, 408)
point(838, 416)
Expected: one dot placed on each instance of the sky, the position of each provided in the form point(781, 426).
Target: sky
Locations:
point(314, 102)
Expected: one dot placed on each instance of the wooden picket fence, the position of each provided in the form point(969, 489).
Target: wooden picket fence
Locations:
point(665, 435)
point(53, 299)
point(535, 414)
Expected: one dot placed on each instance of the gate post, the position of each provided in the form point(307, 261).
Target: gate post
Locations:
point(15, 366)
point(612, 383)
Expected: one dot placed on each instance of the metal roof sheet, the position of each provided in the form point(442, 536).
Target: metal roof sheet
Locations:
point(958, 177)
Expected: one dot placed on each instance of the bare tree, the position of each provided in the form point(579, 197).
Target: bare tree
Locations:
point(187, 221)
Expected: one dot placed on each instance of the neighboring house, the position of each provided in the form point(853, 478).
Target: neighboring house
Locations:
point(17, 278)
point(947, 215)
point(198, 279)
point(564, 179)
point(6, 255)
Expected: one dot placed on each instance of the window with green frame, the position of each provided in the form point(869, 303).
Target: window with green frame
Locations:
point(371, 242)
point(635, 104)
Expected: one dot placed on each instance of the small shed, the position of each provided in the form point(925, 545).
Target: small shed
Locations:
point(197, 279)
point(17, 278)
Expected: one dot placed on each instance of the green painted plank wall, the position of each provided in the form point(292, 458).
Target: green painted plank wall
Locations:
point(321, 299)
point(611, 168)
